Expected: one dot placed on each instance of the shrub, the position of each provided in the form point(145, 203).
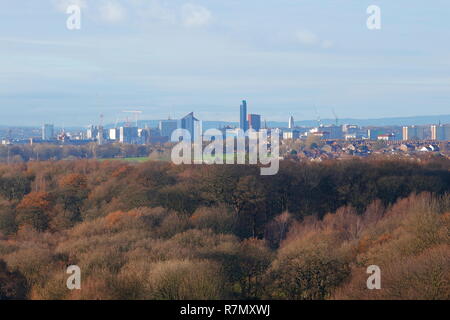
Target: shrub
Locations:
point(185, 280)
point(306, 272)
point(13, 285)
point(218, 219)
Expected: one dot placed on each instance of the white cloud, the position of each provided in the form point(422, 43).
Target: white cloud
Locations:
point(308, 38)
point(112, 12)
point(195, 16)
point(327, 44)
point(154, 10)
point(62, 5)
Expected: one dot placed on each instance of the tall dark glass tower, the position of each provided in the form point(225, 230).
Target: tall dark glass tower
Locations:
point(243, 124)
point(254, 122)
point(188, 123)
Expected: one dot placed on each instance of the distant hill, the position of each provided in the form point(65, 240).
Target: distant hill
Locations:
point(397, 121)
point(154, 123)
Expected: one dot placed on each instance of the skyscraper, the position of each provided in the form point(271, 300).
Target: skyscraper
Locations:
point(243, 124)
point(48, 132)
point(128, 135)
point(114, 134)
point(167, 127)
point(254, 122)
point(291, 124)
point(440, 132)
point(91, 132)
point(413, 133)
point(335, 132)
point(101, 135)
point(373, 133)
point(190, 123)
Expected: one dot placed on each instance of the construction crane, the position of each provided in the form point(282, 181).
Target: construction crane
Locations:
point(120, 120)
point(319, 121)
point(136, 115)
point(335, 117)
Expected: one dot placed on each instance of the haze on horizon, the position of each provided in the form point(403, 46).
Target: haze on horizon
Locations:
point(167, 58)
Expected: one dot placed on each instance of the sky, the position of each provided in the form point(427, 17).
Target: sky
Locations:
point(305, 58)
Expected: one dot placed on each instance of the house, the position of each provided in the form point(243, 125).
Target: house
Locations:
point(405, 147)
point(386, 137)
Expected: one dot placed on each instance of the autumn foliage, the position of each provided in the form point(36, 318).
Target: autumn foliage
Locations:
point(158, 231)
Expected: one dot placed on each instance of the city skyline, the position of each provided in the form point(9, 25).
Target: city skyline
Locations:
point(236, 157)
point(135, 132)
point(285, 58)
point(384, 121)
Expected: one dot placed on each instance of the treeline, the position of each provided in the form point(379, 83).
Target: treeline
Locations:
point(57, 195)
point(159, 231)
point(45, 152)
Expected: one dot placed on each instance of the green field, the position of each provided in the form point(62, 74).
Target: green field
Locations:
point(138, 160)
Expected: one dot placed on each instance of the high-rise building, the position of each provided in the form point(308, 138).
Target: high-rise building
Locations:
point(405, 133)
point(145, 134)
point(291, 124)
point(413, 133)
point(167, 127)
point(114, 134)
point(334, 132)
point(254, 122)
point(350, 128)
point(91, 132)
point(191, 124)
point(128, 135)
point(373, 133)
point(243, 124)
point(48, 132)
point(102, 135)
point(440, 132)
point(291, 134)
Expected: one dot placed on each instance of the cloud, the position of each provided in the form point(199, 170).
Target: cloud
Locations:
point(112, 12)
point(154, 10)
point(306, 37)
point(62, 5)
point(195, 16)
point(310, 39)
point(327, 44)
point(109, 11)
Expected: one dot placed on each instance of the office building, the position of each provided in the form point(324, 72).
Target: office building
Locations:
point(114, 134)
point(413, 133)
point(167, 127)
point(373, 133)
point(291, 124)
point(254, 122)
point(291, 134)
point(128, 135)
point(144, 135)
point(48, 132)
point(102, 135)
point(192, 125)
point(243, 124)
point(440, 132)
point(334, 132)
point(91, 133)
point(350, 128)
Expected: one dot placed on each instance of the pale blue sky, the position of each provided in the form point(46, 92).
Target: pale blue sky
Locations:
point(172, 57)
